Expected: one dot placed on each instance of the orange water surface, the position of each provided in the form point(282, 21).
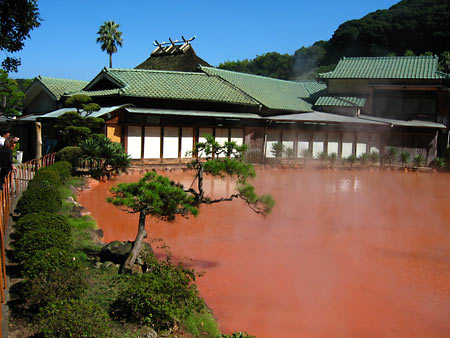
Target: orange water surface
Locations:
point(344, 254)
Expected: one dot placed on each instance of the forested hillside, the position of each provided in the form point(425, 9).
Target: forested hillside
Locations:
point(409, 27)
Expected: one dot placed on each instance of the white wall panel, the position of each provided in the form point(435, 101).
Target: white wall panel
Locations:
point(152, 142)
point(170, 145)
point(134, 142)
point(273, 136)
point(202, 132)
point(362, 142)
point(222, 137)
point(237, 135)
point(375, 143)
point(333, 143)
point(187, 141)
point(288, 139)
point(347, 144)
point(318, 143)
point(303, 142)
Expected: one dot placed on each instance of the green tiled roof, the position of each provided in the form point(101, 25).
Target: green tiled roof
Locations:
point(170, 85)
point(272, 93)
point(341, 101)
point(389, 67)
point(60, 86)
point(313, 87)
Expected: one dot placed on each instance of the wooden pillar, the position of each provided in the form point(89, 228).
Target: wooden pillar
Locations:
point(142, 142)
point(161, 144)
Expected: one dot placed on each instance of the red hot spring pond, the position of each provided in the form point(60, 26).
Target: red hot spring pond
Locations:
point(344, 253)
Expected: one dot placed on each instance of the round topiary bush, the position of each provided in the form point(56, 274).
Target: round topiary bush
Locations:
point(74, 319)
point(38, 198)
point(38, 239)
point(69, 154)
point(63, 168)
point(38, 220)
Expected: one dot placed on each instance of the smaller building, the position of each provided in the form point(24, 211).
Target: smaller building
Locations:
point(408, 93)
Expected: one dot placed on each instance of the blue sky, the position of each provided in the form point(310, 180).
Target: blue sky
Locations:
point(64, 46)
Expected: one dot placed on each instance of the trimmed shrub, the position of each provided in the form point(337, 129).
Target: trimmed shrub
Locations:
point(44, 262)
point(53, 274)
point(63, 168)
point(45, 220)
point(69, 154)
point(45, 176)
point(41, 238)
point(39, 197)
point(74, 319)
point(160, 298)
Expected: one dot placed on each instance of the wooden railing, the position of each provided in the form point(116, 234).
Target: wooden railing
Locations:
point(15, 184)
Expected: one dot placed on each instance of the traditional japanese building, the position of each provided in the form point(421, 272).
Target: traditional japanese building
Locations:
point(160, 109)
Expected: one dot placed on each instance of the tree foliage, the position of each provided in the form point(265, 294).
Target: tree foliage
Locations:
point(157, 196)
point(417, 25)
point(82, 102)
point(17, 19)
point(76, 126)
point(109, 37)
point(307, 59)
point(270, 64)
point(154, 195)
point(411, 27)
point(104, 156)
point(10, 96)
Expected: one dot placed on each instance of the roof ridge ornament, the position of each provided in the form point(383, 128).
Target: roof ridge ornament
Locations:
point(173, 43)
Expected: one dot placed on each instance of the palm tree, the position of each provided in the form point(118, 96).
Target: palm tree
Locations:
point(110, 37)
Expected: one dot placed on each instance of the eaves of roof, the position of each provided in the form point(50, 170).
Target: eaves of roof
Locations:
point(341, 101)
point(403, 123)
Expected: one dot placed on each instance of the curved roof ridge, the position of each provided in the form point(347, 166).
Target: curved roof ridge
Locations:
point(247, 74)
point(391, 57)
point(150, 71)
point(57, 78)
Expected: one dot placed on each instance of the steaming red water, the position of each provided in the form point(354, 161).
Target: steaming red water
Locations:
point(344, 254)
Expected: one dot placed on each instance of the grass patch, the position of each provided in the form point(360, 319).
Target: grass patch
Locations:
point(202, 324)
point(82, 234)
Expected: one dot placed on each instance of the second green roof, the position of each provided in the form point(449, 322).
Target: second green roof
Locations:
point(389, 67)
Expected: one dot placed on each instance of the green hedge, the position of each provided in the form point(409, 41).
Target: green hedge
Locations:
point(45, 175)
point(63, 168)
point(43, 192)
point(39, 197)
point(41, 238)
point(53, 274)
point(42, 219)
